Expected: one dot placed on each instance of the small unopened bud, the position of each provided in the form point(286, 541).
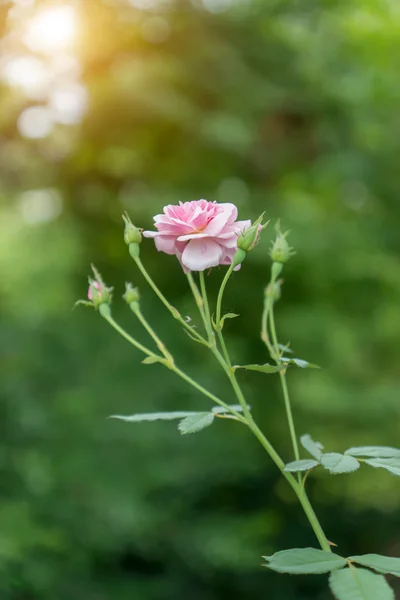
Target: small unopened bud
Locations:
point(98, 292)
point(131, 295)
point(132, 236)
point(281, 251)
point(250, 236)
point(239, 257)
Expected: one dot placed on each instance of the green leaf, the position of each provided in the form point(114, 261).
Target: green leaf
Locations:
point(337, 463)
point(196, 422)
point(299, 362)
point(150, 360)
point(221, 409)
point(227, 316)
point(267, 368)
point(83, 303)
point(374, 451)
point(359, 584)
point(382, 564)
point(285, 349)
point(162, 416)
point(314, 448)
point(192, 337)
point(301, 465)
point(304, 561)
point(390, 464)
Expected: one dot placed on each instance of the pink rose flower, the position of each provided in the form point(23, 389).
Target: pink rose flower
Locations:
point(202, 234)
point(95, 285)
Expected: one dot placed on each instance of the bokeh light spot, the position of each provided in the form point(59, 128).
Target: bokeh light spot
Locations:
point(35, 122)
point(51, 29)
point(40, 206)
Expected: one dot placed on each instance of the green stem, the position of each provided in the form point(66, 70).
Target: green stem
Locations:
point(204, 391)
point(199, 300)
point(300, 493)
point(129, 338)
point(174, 312)
point(296, 485)
point(160, 345)
point(206, 309)
point(219, 312)
point(246, 420)
point(282, 375)
point(175, 369)
point(264, 329)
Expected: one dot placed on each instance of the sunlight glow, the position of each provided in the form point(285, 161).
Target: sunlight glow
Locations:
point(51, 29)
point(27, 73)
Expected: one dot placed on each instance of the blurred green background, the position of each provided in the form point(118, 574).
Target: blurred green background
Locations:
point(288, 106)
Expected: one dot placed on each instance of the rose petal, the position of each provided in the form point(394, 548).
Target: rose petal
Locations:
point(166, 243)
point(228, 213)
point(201, 254)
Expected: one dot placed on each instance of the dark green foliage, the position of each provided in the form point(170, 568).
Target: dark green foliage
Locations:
point(286, 106)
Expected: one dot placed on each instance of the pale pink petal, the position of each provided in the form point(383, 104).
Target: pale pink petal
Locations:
point(201, 254)
point(165, 243)
point(227, 214)
point(192, 236)
point(241, 225)
point(228, 257)
point(230, 242)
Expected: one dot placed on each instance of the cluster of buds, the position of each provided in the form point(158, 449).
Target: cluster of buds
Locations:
point(248, 239)
point(132, 236)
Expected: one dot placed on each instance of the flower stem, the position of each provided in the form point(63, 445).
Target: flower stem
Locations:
point(247, 419)
point(282, 375)
point(218, 314)
point(204, 391)
point(268, 315)
point(174, 312)
point(199, 301)
point(300, 493)
point(173, 367)
point(160, 345)
point(206, 309)
point(129, 338)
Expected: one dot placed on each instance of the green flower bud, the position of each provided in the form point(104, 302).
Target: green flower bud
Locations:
point(98, 292)
point(131, 294)
point(281, 251)
point(250, 237)
point(132, 235)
